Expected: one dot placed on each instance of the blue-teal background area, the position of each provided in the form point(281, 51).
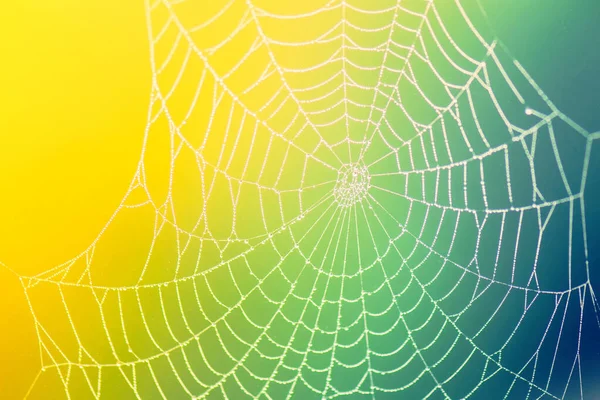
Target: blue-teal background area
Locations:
point(558, 43)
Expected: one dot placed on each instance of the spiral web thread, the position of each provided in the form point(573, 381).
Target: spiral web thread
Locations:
point(351, 200)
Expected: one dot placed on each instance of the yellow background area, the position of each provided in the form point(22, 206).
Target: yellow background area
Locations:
point(75, 80)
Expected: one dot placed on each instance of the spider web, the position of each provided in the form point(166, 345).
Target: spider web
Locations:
point(353, 199)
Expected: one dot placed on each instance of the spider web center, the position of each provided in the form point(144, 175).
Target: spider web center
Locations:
point(353, 182)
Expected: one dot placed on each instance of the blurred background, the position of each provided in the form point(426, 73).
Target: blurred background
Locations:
point(76, 84)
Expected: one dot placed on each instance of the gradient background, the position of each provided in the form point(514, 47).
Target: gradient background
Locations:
point(76, 82)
